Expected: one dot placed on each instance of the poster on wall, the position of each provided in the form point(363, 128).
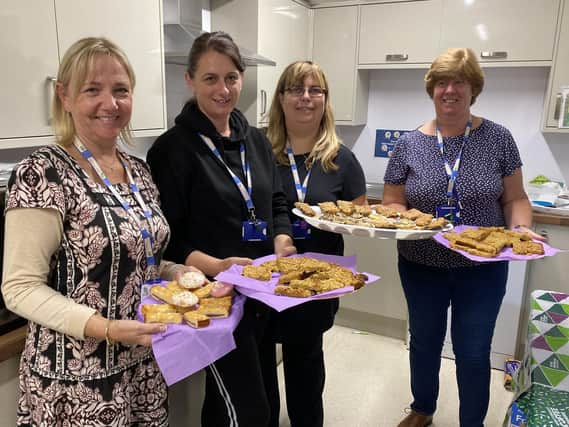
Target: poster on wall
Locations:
point(385, 140)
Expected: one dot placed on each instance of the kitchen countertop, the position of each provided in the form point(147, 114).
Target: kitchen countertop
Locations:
point(12, 343)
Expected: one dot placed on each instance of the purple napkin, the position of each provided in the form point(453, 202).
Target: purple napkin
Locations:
point(264, 291)
point(506, 254)
point(183, 350)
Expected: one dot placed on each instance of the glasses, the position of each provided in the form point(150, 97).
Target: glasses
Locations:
point(313, 91)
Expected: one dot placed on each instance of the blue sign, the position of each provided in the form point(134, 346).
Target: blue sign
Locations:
point(385, 140)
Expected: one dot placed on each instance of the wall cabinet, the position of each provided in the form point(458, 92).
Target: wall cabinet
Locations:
point(400, 33)
point(335, 46)
point(501, 30)
point(559, 75)
point(276, 29)
point(35, 36)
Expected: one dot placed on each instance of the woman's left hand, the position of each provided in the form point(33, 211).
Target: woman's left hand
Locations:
point(532, 233)
point(284, 245)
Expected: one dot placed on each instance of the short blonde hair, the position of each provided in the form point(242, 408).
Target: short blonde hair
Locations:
point(456, 62)
point(75, 68)
point(327, 141)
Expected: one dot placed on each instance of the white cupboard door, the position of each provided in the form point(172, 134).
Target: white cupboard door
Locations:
point(501, 30)
point(274, 26)
point(29, 58)
point(299, 49)
point(335, 51)
point(559, 73)
point(400, 33)
point(136, 27)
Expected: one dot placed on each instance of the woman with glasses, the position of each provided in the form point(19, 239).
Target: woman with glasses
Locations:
point(314, 167)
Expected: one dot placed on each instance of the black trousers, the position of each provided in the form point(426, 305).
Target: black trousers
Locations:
point(235, 389)
point(304, 372)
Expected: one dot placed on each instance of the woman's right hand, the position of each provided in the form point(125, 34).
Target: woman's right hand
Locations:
point(225, 263)
point(133, 332)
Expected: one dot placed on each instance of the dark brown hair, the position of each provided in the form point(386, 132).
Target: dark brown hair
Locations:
point(218, 41)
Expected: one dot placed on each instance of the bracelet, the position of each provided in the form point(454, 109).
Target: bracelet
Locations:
point(518, 226)
point(107, 337)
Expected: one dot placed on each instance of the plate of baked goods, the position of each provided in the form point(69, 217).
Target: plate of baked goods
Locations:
point(376, 221)
point(282, 283)
point(201, 317)
point(485, 244)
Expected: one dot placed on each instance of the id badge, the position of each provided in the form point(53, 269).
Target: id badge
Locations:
point(449, 212)
point(254, 231)
point(300, 229)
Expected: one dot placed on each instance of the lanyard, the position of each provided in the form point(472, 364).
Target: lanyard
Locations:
point(301, 189)
point(245, 192)
point(146, 236)
point(452, 173)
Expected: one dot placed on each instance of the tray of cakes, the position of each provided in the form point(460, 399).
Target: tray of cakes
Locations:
point(282, 283)
point(376, 221)
point(485, 244)
point(200, 316)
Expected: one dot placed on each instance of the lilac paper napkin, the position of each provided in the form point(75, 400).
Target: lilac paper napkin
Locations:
point(506, 254)
point(264, 291)
point(183, 350)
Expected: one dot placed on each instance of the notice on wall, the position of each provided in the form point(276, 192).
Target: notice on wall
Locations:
point(385, 140)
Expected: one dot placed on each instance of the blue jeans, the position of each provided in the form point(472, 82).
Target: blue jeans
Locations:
point(475, 295)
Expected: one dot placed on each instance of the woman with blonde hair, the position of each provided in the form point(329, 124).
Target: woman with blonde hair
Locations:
point(467, 169)
point(84, 234)
point(314, 167)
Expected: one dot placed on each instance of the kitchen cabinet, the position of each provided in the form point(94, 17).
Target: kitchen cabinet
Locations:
point(549, 273)
point(335, 45)
point(404, 34)
point(276, 29)
point(379, 307)
point(501, 30)
point(559, 75)
point(35, 36)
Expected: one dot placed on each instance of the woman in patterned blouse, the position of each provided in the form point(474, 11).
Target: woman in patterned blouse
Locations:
point(77, 218)
point(488, 191)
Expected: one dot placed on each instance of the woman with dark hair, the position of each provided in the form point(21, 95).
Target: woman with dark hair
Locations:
point(314, 167)
point(222, 197)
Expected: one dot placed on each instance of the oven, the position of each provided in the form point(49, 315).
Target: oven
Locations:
point(8, 320)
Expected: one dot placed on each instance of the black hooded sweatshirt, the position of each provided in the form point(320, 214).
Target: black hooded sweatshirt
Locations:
point(201, 202)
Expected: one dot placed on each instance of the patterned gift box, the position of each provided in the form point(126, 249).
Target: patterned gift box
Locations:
point(542, 383)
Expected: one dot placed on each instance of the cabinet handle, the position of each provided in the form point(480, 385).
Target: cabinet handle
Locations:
point(543, 233)
point(396, 57)
point(494, 55)
point(557, 111)
point(50, 93)
point(263, 101)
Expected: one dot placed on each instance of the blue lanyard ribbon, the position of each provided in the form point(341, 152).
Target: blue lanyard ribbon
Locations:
point(146, 235)
point(301, 189)
point(452, 174)
point(245, 192)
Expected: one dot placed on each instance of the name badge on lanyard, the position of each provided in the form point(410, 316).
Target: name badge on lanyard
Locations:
point(144, 228)
point(451, 210)
point(254, 229)
point(300, 228)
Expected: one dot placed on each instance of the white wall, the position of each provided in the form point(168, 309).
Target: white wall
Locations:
point(512, 97)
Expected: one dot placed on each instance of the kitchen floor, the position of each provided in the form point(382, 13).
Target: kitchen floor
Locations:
point(367, 384)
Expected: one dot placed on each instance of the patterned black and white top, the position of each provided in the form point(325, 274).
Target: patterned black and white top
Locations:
point(489, 155)
point(101, 262)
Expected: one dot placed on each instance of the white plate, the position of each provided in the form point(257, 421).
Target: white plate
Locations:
point(554, 211)
point(358, 230)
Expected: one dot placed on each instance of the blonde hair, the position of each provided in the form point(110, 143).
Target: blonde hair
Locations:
point(76, 66)
point(456, 62)
point(327, 142)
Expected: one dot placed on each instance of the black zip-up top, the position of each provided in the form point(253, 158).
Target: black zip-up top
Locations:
point(201, 202)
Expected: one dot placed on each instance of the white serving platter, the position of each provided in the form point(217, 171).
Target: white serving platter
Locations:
point(358, 230)
point(550, 210)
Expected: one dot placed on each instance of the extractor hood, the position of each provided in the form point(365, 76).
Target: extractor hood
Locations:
point(183, 24)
